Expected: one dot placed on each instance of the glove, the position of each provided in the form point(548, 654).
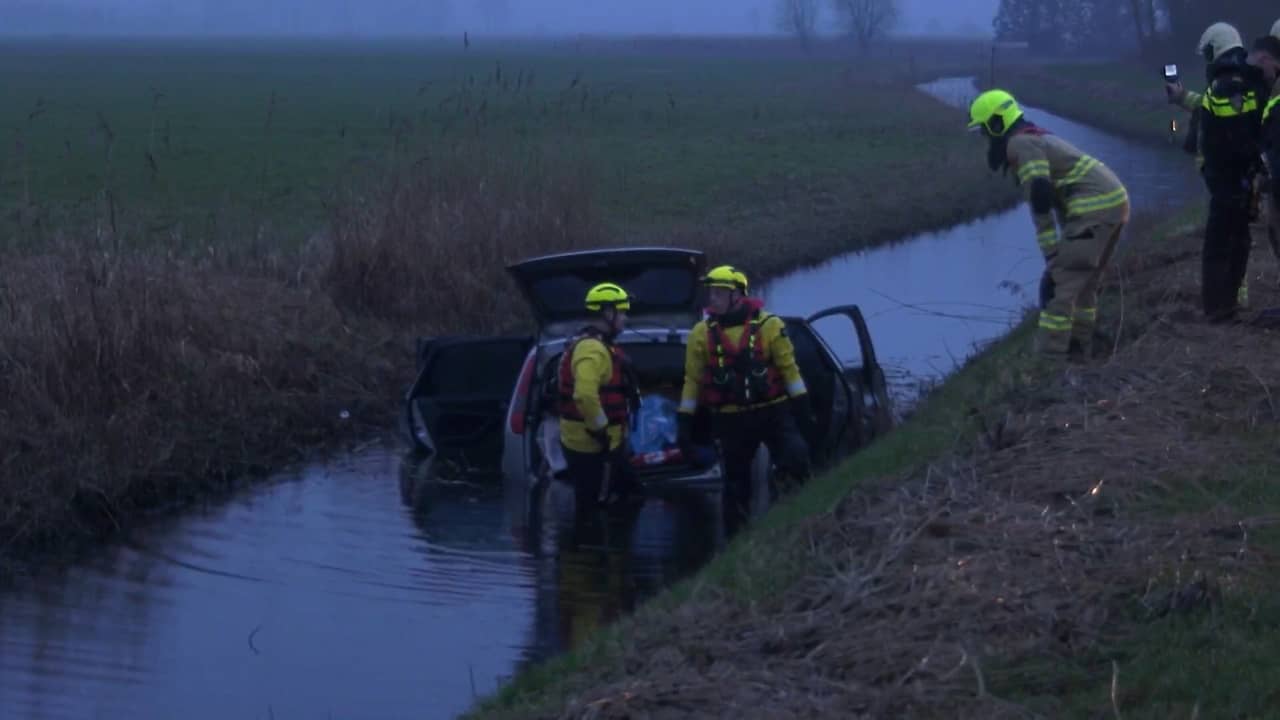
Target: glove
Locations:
point(802, 405)
point(1047, 288)
point(600, 436)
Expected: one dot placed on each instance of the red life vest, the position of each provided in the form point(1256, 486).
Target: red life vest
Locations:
point(741, 375)
point(616, 395)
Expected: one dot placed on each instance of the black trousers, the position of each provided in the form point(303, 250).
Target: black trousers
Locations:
point(740, 434)
point(585, 472)
point(1225, 257)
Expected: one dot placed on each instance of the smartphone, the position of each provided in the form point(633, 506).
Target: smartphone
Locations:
point(1171, 73)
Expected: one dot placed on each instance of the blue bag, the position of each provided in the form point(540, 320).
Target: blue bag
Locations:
point(654, 428)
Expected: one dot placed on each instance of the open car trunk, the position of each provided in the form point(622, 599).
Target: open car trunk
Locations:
point(662, 283)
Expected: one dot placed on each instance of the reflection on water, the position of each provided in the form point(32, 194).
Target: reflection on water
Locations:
point(369, 587)
point(323, 595)
point(934, 298)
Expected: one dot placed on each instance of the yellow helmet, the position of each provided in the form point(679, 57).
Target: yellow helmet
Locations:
point(725, 276)
point(607, 294)
point(1217, 39)
point(995, 110)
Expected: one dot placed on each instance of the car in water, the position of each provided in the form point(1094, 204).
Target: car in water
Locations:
point(489, 400)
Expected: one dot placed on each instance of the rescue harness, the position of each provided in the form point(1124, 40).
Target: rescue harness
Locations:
point(743, 375)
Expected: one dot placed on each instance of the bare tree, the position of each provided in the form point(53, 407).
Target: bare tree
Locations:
point(1143, 14)
point(798, 18)
point(866, 20)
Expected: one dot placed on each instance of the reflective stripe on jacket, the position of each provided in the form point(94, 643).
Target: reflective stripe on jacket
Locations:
point(1085, 190)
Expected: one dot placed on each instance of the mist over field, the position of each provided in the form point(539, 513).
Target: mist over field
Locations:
point(412, 17)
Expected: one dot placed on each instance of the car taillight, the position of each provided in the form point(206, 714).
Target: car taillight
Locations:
point(521, 400)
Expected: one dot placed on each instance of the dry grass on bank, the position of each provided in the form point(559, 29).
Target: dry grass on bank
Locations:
point(132, 379)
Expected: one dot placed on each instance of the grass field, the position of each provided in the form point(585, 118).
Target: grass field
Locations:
point(212, 249)
point(206, 141)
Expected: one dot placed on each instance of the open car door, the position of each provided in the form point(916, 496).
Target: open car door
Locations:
point(861, 370)
point(459, 400)
point(832, 399)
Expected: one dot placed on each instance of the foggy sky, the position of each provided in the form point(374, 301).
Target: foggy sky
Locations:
point(443, 16)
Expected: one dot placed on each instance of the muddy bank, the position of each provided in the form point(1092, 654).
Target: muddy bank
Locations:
point(1040, 530)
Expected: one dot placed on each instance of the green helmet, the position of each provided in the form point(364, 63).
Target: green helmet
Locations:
point(726, 276)
point(607, 294)
point(995, 110)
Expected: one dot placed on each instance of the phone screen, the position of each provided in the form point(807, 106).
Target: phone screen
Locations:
point(1171, 71)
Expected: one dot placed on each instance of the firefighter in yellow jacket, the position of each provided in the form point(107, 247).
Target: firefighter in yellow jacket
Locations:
point(740, 365)
point(1089, 202)
point(597, 394)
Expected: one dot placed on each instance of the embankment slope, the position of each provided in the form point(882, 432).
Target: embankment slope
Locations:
point(1039, 541)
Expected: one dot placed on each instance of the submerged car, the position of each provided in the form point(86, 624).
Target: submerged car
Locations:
point(491, 399)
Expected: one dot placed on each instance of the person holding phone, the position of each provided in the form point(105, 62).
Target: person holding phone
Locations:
point(1225, 56)
point(1226, 125)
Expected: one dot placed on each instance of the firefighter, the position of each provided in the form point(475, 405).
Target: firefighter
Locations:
point(597, 395)
point(1090, 203)
point(1266, 57)
point(1236, 163)
point(740, 365)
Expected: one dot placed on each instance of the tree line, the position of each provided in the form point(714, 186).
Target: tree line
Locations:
point(863, 21)
point(1151, 28)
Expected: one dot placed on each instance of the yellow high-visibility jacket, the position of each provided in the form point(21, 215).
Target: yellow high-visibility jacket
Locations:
point(592, 367)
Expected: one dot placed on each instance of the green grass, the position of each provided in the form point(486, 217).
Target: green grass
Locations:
point(768, 557)
point(1222, 660)
point(1223, 663)
point(1213, 662)
point(200, 141)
